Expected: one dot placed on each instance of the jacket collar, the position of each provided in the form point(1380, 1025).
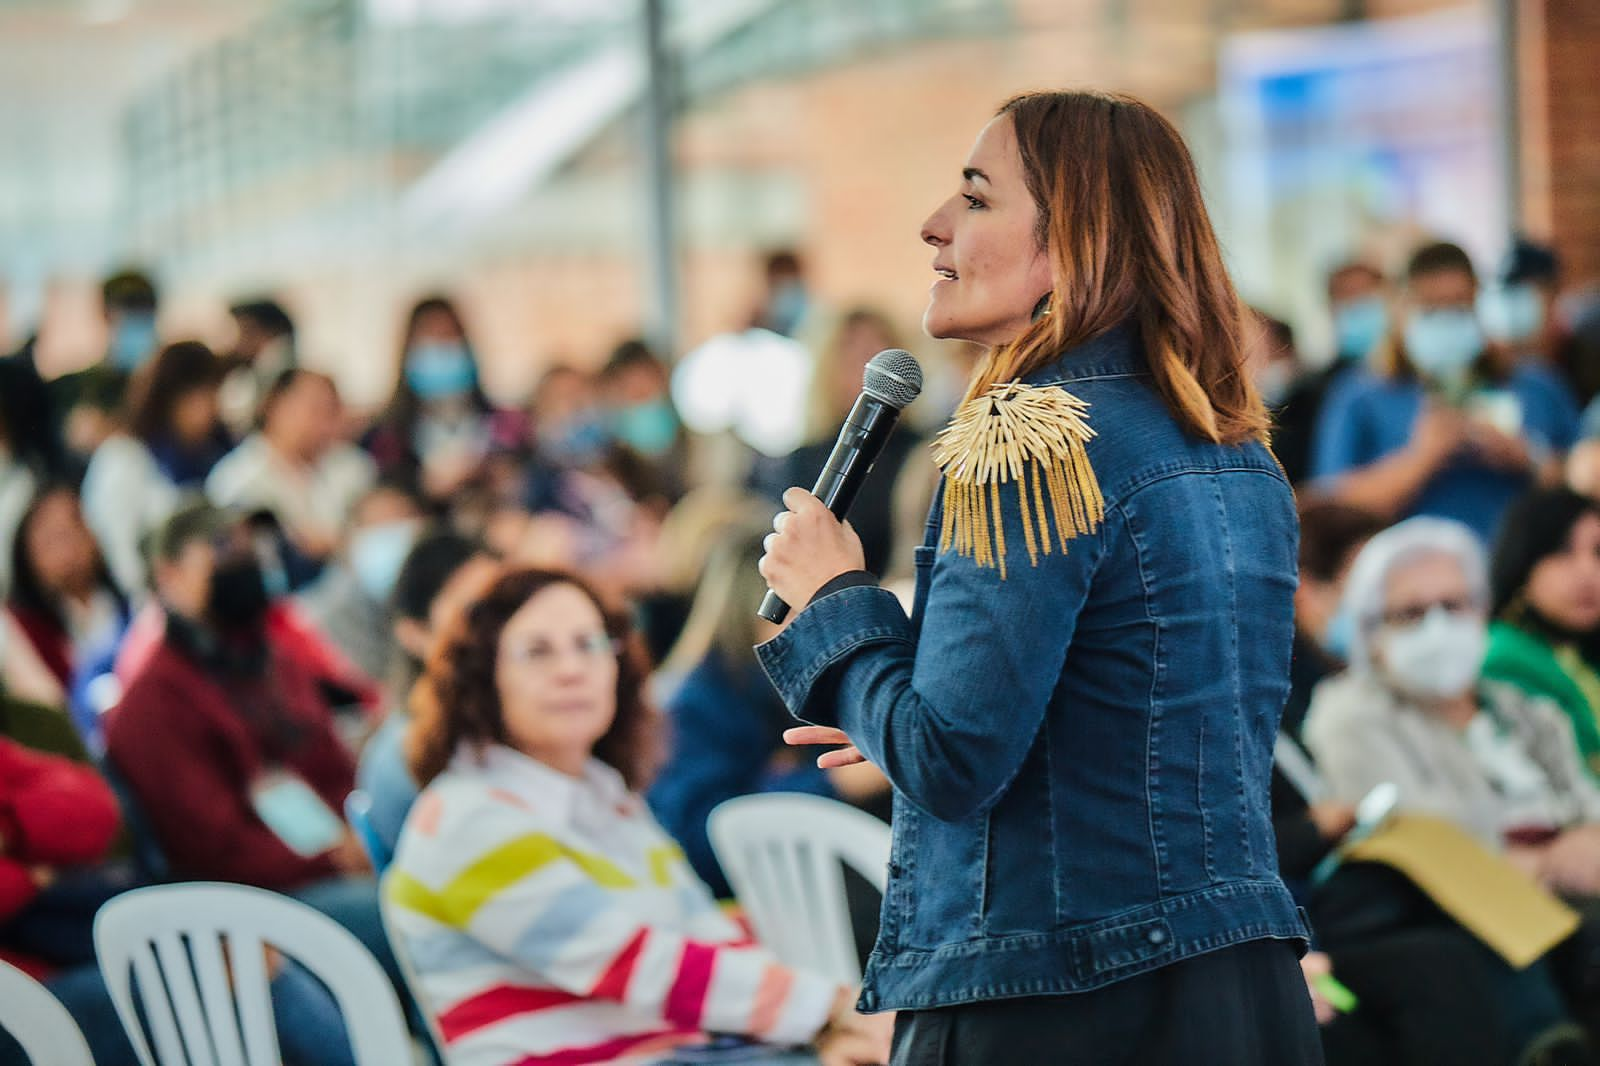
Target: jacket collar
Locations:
point(1118, 352)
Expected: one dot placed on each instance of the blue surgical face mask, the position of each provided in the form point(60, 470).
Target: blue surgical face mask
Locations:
point(1443, 344)
point(787, 307)
point(1510, 314)
point(440, 370)
point(1359, 325)
point(579, 439)
point(378, 552)
point(648, 428)
point(1339, 635)
point(133, 339)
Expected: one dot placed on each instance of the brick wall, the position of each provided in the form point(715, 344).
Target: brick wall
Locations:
point(1560, 91)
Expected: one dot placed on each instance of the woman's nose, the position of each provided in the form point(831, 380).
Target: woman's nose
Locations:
point(934, 231)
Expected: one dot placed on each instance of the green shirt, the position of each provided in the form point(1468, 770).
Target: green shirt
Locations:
point(1558, 673)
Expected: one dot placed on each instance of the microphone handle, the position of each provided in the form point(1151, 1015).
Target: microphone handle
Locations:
point(861, 439)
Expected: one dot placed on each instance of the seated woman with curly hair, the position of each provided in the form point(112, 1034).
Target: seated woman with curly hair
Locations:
point(548, 916)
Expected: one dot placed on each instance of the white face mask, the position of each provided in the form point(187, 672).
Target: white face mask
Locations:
point(1438, 657)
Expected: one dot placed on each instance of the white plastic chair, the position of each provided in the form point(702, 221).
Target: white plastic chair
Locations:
point(198, 952)
point(38, 1021)
point(781, 852)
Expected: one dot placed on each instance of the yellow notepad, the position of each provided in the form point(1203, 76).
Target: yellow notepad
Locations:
point(1490, 898)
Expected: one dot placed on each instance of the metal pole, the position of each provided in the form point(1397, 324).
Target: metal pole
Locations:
point(1510, 120)
point(661, 247)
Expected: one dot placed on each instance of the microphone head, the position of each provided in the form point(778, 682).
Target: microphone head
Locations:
point(893, 376)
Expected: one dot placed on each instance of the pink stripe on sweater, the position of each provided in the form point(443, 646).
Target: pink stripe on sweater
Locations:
point(496, 1005)
point(776, 981)
point(613, 984)
point(686, 1003)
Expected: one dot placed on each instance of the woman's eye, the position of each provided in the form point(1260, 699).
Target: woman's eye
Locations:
point(973, 203)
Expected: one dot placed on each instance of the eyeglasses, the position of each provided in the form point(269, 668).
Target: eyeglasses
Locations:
point(592, 649)
point(1411, 614)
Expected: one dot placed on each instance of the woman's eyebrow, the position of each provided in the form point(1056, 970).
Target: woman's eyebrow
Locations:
point(974, 174)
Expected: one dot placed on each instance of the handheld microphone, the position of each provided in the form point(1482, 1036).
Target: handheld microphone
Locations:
point(892, 380)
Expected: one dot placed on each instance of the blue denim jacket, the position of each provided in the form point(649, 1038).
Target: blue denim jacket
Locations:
point(1081, 751)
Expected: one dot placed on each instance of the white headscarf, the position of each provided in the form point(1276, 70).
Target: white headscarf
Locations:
point(1400, 544)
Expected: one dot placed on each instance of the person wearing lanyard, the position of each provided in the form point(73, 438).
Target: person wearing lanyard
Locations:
point(1078, 717)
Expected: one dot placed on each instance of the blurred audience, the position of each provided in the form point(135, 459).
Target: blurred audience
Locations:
point(1331, 535)
point(350, 602)
point(1359, 305)
point(171, 442)
point(533, 738)
point(785, 306)
point(263, 348)
point(441, 576)
point(55, 815)
point(27, 423)
point(856, 337)
point(64, 603)
point(86, 403)
point(18, 483)
point(439, 428)
point(1518, 310)
point(1545, 584)
point(227, 742)
point(1583, 468)
point(1439, 427)
point(569, 432)
point(1414, 711)
point(726, 721)
point(1429, 991)
point(298, 469)
point(639, 412)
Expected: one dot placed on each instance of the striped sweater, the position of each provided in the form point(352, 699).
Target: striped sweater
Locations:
point(551, 920)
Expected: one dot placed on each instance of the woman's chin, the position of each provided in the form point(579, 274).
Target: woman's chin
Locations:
point(937, 325)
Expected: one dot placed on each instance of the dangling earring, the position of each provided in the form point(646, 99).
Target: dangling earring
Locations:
point(1041, 308)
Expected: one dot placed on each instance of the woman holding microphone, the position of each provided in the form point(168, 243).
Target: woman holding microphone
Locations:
point(1078, 718)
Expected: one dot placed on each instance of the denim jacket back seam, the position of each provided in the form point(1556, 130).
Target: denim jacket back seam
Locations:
point(1152, 777)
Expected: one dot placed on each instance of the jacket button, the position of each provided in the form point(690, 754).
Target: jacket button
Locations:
point(1158, 936)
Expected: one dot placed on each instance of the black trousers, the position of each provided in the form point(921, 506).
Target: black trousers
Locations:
point(1240, 1006)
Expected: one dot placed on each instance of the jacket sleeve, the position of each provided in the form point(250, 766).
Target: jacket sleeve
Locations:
point(567, 915)
point(53, 811)
point(950, 717)
point(199, 813)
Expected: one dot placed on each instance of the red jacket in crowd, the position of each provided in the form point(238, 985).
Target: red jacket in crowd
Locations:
point(191, 756)
point(53, 812)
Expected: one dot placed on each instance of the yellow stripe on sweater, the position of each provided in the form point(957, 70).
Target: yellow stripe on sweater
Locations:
point(491, 873)
point(662, 858)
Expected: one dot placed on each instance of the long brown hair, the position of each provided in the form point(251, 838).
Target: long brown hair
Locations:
point(1126, 228)
point(153, 395)
point(458, 700)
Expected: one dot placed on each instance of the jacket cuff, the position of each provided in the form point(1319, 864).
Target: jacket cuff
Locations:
point(848, 579)
point(821, 637)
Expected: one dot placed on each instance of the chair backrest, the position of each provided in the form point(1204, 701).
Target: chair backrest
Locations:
point(408, 971)
point(358, 812)
point(38, 1021)
point(199, 954)
point(782, 854)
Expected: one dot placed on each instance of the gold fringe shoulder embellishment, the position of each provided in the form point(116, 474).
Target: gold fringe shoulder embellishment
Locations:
point(1034, 438)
